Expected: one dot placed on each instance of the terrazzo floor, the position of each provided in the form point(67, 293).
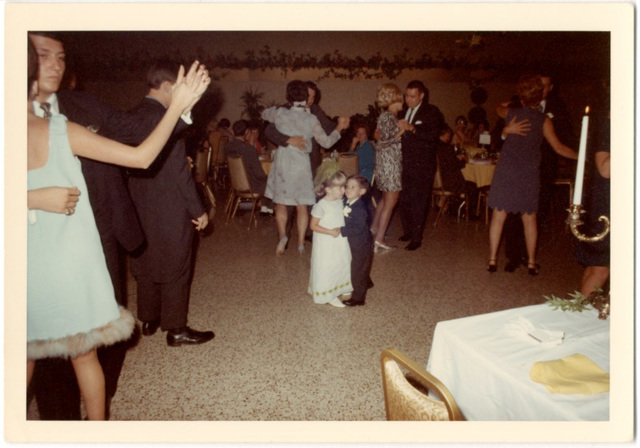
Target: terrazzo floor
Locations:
point(278, 356)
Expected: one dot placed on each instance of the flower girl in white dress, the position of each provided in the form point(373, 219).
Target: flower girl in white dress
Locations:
point(330, 256)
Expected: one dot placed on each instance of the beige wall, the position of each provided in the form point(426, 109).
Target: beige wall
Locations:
point(449, 91)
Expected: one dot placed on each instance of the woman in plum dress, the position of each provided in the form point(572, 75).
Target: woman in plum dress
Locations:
point(516, 183)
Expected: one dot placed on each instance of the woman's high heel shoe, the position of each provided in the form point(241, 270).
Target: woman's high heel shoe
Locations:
point(282, 245)
point(378, 244)
point(533, 268)
point(492, 266)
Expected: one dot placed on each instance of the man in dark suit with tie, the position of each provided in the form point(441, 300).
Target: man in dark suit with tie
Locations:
point(421, 126)
point(54, 383)
point(170, 211)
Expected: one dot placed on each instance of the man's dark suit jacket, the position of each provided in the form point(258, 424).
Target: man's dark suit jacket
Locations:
point(166, 200)
point(112, 207)
point(419, 147)
point(272, 133)
point(257, 176)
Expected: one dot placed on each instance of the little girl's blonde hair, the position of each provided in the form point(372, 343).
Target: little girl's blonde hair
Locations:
point(336, 179)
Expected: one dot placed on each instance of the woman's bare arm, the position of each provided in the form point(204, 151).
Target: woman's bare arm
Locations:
point(187, 91)
point(603, 164)
point(556, 144)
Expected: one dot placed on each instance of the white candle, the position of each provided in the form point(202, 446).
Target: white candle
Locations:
point(582, 155)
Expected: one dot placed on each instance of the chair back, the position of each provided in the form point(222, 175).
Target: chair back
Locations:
point(201, 164)
point(437, 180)
point(404, 401)
point(218, 154)
point(348, 163)
point(238, 173)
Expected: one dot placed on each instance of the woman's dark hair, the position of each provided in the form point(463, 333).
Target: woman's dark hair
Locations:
point(297, 91)
point(224, 123)
point(361, 180)
point(530, 90)
point(312, 85)
point(32, 66)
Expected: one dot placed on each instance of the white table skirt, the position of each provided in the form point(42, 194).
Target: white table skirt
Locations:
point(486, 367)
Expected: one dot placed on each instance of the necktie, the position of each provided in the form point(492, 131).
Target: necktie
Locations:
point(46, 107)
point(410, 115)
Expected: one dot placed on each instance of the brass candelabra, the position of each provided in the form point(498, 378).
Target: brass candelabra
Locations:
point(574, 221)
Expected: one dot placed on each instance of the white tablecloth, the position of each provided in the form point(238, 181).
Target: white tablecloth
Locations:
point(486, 367)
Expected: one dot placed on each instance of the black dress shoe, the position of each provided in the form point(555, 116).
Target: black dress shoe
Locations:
point(149, 328)
point(404, 237)
point(188, 336)
point(413, 245)
point(352, 302)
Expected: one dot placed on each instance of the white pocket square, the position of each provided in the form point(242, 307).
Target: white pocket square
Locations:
point(418, 122)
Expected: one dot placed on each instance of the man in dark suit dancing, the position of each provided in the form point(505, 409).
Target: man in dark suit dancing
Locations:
point(421, 125)
point(169, 209)
point(54, 383)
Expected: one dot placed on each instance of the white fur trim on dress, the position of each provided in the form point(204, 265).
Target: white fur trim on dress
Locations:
point(117, 330)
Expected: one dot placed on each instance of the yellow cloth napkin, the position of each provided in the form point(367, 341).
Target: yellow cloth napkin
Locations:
point(575, 374)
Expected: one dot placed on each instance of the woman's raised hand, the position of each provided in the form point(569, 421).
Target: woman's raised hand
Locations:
point(188, 89)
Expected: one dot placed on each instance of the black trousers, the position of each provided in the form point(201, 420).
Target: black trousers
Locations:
point(415, 199)
point(54, 383)
point(168, 302)
point(361, 259)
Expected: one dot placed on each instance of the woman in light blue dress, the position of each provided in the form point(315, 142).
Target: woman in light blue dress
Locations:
point(71, 307)
point(290, 180)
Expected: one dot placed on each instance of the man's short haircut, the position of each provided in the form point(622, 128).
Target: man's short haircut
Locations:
point(240, 127)
point(161, 71)
point(530, 90)
point(297, 91)
point(415, 84)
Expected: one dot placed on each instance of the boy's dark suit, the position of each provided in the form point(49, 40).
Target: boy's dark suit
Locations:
point(54, 383)
point(166, 200)
point(356, 230)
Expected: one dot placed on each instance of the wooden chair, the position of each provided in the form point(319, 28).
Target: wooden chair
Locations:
point(404, 401)
point(201, 176)
point(569, 183)
point(348, 163)
point(241, 188)
point(439, 191)
point(219, 161)
point(483, 198)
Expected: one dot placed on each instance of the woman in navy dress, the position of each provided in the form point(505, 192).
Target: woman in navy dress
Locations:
point(516, 183)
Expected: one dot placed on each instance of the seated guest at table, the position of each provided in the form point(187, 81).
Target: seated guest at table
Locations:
point(388, 160)
point(450, 165)
point(459, 131)
point(239, 145)
point(290, 181)
point(473, 133)
point(594, 255)
point(253, 136)
point(515, 184)
point(366, 154)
